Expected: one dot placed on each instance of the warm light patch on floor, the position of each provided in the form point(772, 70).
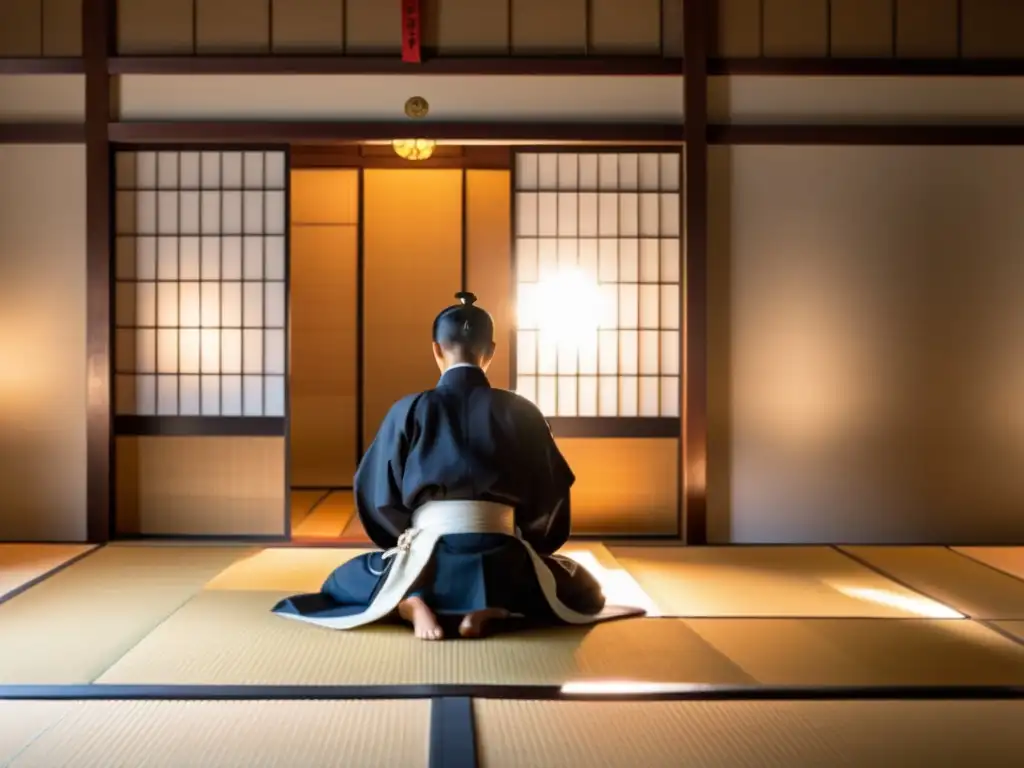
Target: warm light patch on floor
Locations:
point(291, 570)
point(328, 519)
point(304, 570)
point(1009, 560)
point(629, 688)
point(21, 563)
point(919, 606)
point(809, 582)
point(619, 587)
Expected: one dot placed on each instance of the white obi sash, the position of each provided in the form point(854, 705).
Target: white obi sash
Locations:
point(416, 548)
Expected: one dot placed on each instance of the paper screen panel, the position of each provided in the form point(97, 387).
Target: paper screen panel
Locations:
point(597, 235)
point(200, 294)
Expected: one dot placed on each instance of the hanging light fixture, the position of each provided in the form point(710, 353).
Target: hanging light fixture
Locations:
point(416, 108)
point(414, 149)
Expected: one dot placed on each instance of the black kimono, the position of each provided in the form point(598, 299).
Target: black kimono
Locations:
point(463, 441)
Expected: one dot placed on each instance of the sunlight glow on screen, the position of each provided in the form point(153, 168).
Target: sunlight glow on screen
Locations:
point(568, 305)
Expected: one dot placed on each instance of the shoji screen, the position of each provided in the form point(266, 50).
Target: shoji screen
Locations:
point(597, 262)
point(597, 273)
point(201, 284)
point(200, 338)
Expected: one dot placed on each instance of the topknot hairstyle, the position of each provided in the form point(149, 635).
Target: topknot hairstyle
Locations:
point(464, 326)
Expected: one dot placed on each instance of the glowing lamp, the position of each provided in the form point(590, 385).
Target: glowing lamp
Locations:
point(414, 149)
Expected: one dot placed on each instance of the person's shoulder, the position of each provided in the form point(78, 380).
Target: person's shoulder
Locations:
point(410, 400)
point(400, 411)
point(517, 404)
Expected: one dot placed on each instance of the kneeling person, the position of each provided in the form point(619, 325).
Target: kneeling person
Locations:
point(467, 494)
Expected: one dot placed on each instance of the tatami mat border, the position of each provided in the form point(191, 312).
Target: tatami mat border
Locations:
point(44, 576)
point(453, 742)
point(953, 548)
point(995, 627)
point(885, 574)
point(650, 692)
point(927, 593)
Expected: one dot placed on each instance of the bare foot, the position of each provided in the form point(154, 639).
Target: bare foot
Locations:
point(474, 623)
point(424, 622)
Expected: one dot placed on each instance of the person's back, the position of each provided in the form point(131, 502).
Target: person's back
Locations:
point(465, 440)
point(485, 439)
point(466, 491)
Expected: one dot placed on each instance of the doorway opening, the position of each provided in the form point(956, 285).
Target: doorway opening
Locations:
point(380, 244)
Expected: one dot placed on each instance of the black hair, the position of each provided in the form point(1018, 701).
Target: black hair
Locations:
point(464, 328)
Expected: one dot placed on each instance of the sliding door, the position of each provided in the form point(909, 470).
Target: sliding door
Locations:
point(201, 342)
point(412, 240)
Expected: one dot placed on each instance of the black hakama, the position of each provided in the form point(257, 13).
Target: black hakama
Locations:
point(463, 441)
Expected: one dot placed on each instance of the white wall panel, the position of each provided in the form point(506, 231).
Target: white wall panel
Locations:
point(383, 97)
point(865, 100)
point(866, 371)
point(42, 343)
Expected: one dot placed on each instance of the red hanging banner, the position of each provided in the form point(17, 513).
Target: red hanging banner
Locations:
point(411, 31)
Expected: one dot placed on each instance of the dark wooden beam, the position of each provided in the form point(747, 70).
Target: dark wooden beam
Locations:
point(613, 426)
point(273, 132)
point(497, 157)
point(569, 65)
point(582, 65)
point(200, 426)
point(392, 65)
point(42, 66)
point(697, 33)
point(483, 157)
point(869, 135)
point(98, 25)
point(42, 133)
point(874, 67)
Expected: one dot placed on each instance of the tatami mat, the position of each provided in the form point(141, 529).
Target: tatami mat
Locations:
point(768, 581)
point(1015, 628)
point(354, 531)
point(1007, 559)
point(103, 734)
point(72, 626)
point(230, 637)
point(22, 722)
point(960, 582)
point(329, 518)
point(304, 569)
point(591, 554)
point(302, 503)
point(21, 563)
point(201, 615)
point(865, 651)
point(287, 570)
point(544, 734)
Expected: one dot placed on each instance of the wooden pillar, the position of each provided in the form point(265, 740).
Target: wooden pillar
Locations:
point(696, 33)
point(98, 30)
